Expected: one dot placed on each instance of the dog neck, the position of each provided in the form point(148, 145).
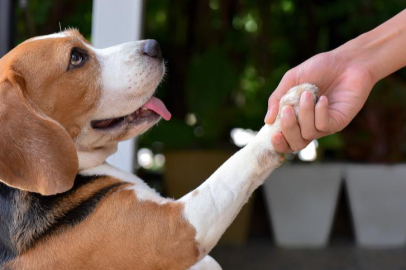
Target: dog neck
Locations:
point(92, 158)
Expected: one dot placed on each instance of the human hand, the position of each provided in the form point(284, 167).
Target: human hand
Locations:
point(344, 86)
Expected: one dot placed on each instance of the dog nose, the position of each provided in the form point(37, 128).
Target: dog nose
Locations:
point(152, 49)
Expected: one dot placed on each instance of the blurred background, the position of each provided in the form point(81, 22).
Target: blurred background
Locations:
point(338, 204)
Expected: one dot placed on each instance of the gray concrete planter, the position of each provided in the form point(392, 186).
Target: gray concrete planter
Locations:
point(301, 201)
point(377, 196)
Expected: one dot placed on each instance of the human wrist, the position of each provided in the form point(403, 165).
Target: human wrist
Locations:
point(353, 58)
point(380, 51)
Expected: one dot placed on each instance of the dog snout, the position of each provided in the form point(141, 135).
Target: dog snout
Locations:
point(152, 49)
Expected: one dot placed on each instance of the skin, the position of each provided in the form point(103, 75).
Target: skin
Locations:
point(345, 77)
point(109, 219)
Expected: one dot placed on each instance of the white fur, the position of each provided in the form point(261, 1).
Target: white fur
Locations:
point(55, 35)
point(207, 263)
point(128, 79)
point(93, 157)
point(140, 188)
point(221, 197)
point(212, 207)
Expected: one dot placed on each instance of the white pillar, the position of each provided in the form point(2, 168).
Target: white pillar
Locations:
point(116, 22)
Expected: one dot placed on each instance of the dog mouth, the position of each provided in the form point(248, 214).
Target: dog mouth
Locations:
point(152, 110)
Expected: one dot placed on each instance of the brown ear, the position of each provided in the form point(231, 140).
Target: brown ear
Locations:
point(36, 153)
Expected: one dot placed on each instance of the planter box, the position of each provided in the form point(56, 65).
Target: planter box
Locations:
point(301, 201)
point(377, 196)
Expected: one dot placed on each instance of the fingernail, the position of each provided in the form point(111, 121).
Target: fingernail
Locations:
point(307, 95)
point(285, 111)
point(268, 113)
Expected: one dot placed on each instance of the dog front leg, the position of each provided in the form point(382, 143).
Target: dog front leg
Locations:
point(212, 207)
point(207, 263)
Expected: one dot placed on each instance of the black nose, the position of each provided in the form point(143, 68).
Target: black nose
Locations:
point(152, 49)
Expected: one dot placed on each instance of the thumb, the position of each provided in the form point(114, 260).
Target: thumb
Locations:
point(286, 83)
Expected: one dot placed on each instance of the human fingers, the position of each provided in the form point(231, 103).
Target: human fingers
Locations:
point(291, 129)
point(280, 144)
point(307, 116)
point(322, 117)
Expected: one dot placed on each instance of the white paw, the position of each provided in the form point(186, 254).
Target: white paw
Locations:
point(207, 263)
point(292, 97)
point(266, 153)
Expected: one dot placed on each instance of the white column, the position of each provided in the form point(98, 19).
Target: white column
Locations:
point(116, 22)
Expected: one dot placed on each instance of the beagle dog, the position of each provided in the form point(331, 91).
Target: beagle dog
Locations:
point(64, 106)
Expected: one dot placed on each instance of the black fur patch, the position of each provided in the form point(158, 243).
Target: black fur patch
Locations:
point(7, 252)
point(27, 217)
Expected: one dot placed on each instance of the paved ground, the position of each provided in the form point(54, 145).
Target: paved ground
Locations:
point(263, 255)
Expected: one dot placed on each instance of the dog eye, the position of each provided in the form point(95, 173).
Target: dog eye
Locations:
point(77, 58)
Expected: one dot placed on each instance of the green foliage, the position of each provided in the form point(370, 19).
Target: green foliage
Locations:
point(175, 135)
point(225, 57)
point(43, 17)
point(211, 80)
point(234, 53)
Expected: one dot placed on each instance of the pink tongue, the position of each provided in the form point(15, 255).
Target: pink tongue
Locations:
point(156, 105)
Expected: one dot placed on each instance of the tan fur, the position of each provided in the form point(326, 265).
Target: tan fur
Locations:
point(38, 109)
point(61, 208)
point(122, 233)
point(33, 148)
point(67, 97)
point(50, 108)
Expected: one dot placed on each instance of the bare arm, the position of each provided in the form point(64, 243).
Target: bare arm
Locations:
point(345, 77)
point(382, 50)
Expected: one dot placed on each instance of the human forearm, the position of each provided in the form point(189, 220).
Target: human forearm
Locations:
point(345, 77)
point(380, 51)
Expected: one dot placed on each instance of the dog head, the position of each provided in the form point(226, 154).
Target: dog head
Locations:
point(65, 105)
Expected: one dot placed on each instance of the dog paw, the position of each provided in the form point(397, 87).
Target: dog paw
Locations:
point(292, 97)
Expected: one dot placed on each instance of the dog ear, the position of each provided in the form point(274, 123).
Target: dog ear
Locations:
point(36, 152)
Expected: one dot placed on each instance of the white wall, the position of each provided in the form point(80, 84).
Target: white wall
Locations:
point(115, 22)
